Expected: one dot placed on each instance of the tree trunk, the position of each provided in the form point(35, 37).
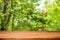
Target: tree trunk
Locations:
point(6, 19)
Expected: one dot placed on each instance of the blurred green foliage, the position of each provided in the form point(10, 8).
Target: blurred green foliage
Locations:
point(22, 15)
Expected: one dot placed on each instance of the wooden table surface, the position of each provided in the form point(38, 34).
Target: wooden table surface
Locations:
point(28, 35)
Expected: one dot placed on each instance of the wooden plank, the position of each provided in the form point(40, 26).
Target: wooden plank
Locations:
point(30, 39)
point(29, 34)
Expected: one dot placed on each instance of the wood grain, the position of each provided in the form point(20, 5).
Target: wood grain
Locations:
point(28, 35)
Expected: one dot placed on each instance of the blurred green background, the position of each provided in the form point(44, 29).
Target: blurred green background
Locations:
point(30, 15)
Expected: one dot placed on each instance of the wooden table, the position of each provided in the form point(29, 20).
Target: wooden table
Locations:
point(29, 35)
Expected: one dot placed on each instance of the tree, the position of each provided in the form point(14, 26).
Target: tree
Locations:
point(29, 15)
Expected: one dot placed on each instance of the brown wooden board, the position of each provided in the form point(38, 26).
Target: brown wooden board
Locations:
point(28, 35)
